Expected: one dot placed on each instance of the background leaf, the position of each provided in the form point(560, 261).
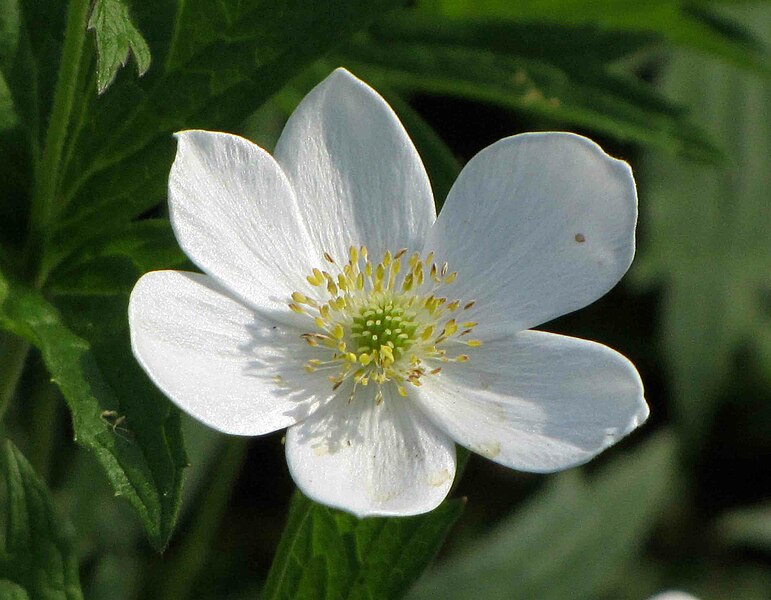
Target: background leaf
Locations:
point(708, 243)
point(116, 39)
point(325, 553)
point(570, 540)
point(562, 73)
point(37, 555)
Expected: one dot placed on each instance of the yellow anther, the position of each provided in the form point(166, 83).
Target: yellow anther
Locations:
point(338, 331)
point(316, 279)
point(469, 324)
point(469, 305)
point(328, 258)
point(295, 308)
point(450, 328)
point(401, 253)
point(461, 358)
point(319, 322)
point(402, 390)
point(360, 282)
point(300, 298)
point(365, 359)
point(387, 258)
point(427, 333)
point(453, 306)
point(474, 343)
point(451, 277)
point(353, 253)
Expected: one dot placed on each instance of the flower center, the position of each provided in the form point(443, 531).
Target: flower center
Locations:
point(380, 323)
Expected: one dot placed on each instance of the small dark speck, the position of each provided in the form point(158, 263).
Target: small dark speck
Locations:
point(580, 238)
point(274, 327)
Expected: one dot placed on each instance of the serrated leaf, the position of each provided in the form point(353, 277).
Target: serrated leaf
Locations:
point(571, 540)
point(216, 65)
point(707, 242)
point(135, 438)
point(117, 38)
point(439, 56)
point(325, 553)
point(37, 553)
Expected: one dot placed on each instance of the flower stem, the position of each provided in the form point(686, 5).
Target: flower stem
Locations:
point(48, 175)
point(11, 368)
point(192, 555)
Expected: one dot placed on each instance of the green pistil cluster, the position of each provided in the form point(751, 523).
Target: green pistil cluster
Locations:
point(383, 325)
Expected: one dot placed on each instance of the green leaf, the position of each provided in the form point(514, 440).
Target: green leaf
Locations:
point(37, 554)
point(500, 64)
point(11, 591)
point(675, 20)
point(325, 553)
point(571, 540)
point(749, 527)
point(131, 429)
point(111, 264)
point(215, 65)
point(116, 39)
point(707, 235)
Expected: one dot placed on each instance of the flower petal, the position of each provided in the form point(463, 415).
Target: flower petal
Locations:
point(537, 225)
point(537, 401)
point(235, 215)
point(356, 173)
point(218, 360)
point(371, 459)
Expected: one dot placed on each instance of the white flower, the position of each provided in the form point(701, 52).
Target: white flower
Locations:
point(336, 304)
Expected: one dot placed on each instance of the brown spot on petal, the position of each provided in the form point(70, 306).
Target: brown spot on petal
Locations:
point(580, 238)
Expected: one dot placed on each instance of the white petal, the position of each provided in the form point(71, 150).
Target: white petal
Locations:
point(356, 173)
point(537, 401)
point(537, 225)
point(369, 459)
point(235, 215)
point(217, 359)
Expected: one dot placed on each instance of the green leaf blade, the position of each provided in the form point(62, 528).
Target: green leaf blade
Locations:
point(144, 457)
point(325, 553)
point(37, 551)
point(117, 38)
point(571, 540)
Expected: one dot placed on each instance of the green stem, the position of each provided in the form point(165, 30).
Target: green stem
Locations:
point(191, 557)
point(47, 178)
point(11, 368)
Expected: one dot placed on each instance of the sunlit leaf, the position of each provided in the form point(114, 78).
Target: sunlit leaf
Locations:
point(134, 435)
point(37, 553)
point(116, 39)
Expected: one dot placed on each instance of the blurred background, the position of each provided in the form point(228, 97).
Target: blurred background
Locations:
point(680, 90)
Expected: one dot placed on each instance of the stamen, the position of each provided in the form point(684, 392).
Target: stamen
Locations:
point(380, 324)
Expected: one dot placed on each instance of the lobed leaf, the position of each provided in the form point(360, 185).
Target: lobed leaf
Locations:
point(37, 551)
